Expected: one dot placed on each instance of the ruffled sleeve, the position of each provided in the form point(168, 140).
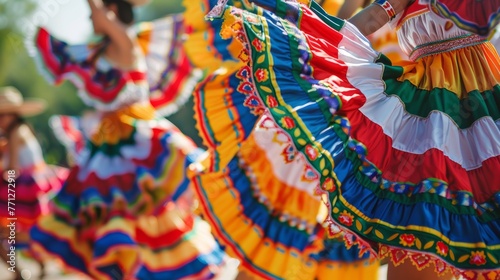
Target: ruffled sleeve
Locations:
point(479, 17)
point(100, 84)
point(68, 131)
point(170, 75)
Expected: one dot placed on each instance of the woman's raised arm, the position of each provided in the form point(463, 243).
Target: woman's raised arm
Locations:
point(376, 15)
point(121, 48)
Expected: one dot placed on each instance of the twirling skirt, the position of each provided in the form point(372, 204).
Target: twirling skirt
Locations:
point(255, 189)
point(120, 214)
point(408, 155)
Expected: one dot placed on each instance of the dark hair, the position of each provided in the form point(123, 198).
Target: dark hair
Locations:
point(125, 10)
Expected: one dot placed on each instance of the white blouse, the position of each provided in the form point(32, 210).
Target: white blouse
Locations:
point(427, 28)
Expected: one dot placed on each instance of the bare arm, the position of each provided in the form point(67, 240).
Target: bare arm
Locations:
point(373, 17)
point(349, 7)
point(121, 47)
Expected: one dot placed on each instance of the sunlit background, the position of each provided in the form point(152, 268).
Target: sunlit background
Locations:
point(68, 20)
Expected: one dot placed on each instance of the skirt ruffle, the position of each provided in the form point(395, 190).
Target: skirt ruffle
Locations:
point(260, 214)
point(109, 220)
point(335, 261)
point(171, 78)
point(169, 245)
point(356, 119)
point(100, 86)
point(126, 163)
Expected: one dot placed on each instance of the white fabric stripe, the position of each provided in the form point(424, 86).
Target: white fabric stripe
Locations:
point(468, 147)
point(273, 141)
point(159, 48)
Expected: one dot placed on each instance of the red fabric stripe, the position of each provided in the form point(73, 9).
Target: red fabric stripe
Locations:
point(74, 186)
point(165, 239)
point(136, 75)
point(402, 166)
point(73, 134)
point(45, 48)
point(173, 90)
point(325, 61)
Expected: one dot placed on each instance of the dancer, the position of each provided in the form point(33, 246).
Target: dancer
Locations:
point(255, 190)
point(121, 214)
point(407, 153)
point(27, 181)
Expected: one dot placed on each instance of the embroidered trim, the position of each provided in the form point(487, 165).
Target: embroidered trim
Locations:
point(450, 44)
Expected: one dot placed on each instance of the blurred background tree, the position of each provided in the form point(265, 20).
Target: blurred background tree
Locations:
point(17, 19)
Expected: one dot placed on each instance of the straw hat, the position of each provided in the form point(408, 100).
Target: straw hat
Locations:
point(11, 101)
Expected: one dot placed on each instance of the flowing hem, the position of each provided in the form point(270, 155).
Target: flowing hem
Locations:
point(338, 158)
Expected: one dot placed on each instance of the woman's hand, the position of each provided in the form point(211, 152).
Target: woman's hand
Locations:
point(100, 16)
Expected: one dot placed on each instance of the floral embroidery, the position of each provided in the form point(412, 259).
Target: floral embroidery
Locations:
point(288, 153)
point(258, 45)
point(287, 122)
point(442, 248)
point(271, 101)
point(346, 218)
point(261, 75)
point(349, 240)
point(328, 185)
point(477, 258)
point(311, 152)
point(407, 239)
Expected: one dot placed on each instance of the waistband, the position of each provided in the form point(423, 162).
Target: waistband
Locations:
point(446, 45)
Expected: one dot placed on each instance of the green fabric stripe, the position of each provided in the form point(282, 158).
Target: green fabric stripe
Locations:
point(334, 22)
point(111, 150)
point(382, 58)
point(464, 112)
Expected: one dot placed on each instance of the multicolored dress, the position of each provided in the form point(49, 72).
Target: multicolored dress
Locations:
point(29, 193)
point(122, 213)
point(407, 155)
point(257, 191)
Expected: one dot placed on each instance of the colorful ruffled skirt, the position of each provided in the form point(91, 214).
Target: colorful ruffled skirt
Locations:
point(254, 188)
point(27, 197)
point(263, 208)
point(122, 213)
point(408, 155)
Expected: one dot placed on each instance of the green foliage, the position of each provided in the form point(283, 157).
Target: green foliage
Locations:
point(19, 70)
point(12, 13)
